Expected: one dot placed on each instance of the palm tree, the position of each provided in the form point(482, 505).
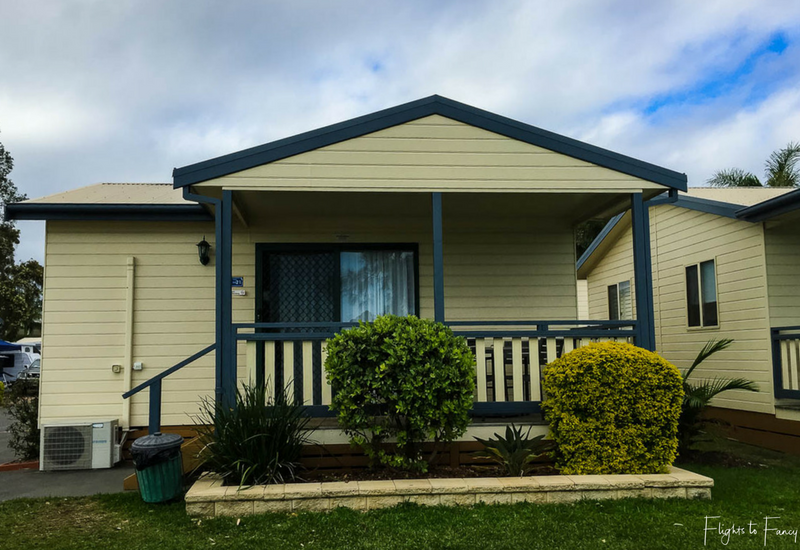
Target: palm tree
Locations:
point(696, 397)
point(780, 170)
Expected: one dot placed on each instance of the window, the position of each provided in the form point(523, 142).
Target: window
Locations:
point(375, 283)
point(701, 295)
point(319, 283)
point(620, 302)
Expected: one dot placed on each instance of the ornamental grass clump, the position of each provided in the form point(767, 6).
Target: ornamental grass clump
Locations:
point(398, 382)
point(258, 441)
point(613, 409)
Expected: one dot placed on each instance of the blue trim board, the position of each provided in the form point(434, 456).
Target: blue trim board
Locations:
point(642, 272)
point(106, 212)
point(228, 343)
point(771, 208)
point(438, 259)
point(612, 223)
point(708, 206)
point(433, 105)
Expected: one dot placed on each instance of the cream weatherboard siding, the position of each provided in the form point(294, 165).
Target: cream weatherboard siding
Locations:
point(496, 268)
point(783, 271)
point(432, 153)
point(685, 237)
point(583, 299)
point(615, 267)
point(680, 237)
point(85, 314)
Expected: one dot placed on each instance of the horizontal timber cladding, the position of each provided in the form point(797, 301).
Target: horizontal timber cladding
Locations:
point(85, 312)
point(680, 237)
point(432, 153)
point(496, 267)
point(783, 270)
point(615, 267)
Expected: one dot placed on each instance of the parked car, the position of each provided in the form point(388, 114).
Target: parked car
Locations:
point(31, 372)
point(16, 362)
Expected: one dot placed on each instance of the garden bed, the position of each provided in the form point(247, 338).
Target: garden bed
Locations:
point(209, 498)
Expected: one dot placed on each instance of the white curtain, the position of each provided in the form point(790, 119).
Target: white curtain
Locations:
point(376, 283)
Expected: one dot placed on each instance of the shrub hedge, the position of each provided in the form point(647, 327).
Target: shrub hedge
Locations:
point(613, 409)
point(404, 379)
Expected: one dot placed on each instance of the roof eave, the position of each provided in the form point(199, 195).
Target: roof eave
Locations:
point(771, 208)
point(433, 105)
point(106, 212)
point(612, 223)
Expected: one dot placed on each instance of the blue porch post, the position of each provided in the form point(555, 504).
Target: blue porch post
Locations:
point(227, 344)
point(643, 273)
point(438, 259)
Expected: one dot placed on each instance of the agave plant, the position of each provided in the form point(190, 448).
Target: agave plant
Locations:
point(515, 452)
point(697, 396)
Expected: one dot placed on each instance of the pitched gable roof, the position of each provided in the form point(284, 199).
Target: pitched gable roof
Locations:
point(433, 105)
point(746, 204)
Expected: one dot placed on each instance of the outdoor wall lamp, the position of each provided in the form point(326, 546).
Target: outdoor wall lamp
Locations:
point(202, 250)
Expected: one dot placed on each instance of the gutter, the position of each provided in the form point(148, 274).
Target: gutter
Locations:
point(107, 212)
point(771, 208)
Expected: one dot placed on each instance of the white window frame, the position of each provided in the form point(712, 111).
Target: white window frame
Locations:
point(702, 325)
point(620, 316)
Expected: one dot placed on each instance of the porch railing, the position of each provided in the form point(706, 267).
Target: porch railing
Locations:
point(786, 361)
point(154, 383)
point(509, 357)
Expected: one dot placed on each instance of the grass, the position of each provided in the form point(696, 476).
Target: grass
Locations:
point(768, 485)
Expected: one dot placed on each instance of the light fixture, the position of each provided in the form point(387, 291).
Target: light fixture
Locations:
point(202, 250)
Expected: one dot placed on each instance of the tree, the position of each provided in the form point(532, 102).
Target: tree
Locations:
point(20, 283)
point(586, 233)
point(780, 170)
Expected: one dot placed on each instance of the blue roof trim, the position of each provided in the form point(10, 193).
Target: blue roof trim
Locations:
point(612, 223)
point(433, 105)
point(708, 206)
point(107, 212)
point(771, 208)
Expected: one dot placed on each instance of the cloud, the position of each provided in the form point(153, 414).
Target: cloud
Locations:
point(125, 91)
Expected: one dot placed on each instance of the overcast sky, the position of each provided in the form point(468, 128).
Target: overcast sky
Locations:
point(99, 91)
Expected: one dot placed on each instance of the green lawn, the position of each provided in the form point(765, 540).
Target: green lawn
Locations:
point(769, 486)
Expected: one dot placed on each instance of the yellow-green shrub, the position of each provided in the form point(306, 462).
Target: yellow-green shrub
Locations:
point(613, 409)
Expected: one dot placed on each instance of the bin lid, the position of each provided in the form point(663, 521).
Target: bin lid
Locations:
point(157, 442)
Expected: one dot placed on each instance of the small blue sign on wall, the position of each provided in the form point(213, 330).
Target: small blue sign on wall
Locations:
point(237, 281)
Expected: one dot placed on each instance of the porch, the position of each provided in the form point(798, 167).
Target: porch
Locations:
point(485, 264)
point(487, 207)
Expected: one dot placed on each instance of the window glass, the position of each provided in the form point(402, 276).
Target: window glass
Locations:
point(613, 303)
point(692, 296)
point(625, 302)
point(376, 283)
point(708, 293)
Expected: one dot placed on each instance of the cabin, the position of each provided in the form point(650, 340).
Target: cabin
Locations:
point(724, 265)
point(159, 295)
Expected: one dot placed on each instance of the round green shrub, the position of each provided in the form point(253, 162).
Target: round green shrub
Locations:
point(613, 409)
point(397, 382)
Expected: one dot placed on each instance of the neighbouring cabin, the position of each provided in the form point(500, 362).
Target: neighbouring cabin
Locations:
point(724, 266)
point(432, 208)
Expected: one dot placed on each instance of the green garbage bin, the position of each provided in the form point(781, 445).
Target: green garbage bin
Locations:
point(159, 468)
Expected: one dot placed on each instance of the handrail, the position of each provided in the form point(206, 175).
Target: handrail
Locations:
point(472, 329)
point(154, 383)
point(781, 329)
